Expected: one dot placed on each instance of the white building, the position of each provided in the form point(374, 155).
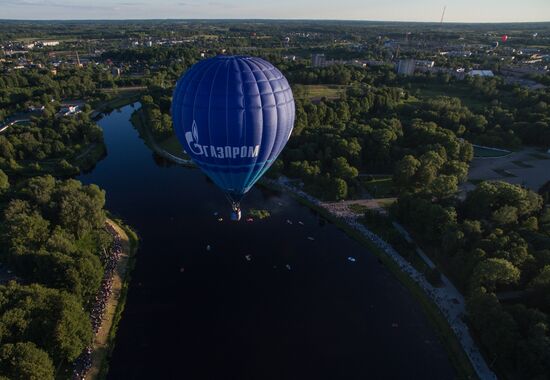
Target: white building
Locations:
point(49, 43)
point(318, 60)
point(115, 71)
point(406, 66)
point(69, 109)
point(481, 73)
point(424, 64)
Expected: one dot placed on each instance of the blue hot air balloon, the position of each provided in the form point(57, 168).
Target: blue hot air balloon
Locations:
point(233, 115)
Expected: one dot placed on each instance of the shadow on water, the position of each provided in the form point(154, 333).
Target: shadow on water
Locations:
point(269, 300)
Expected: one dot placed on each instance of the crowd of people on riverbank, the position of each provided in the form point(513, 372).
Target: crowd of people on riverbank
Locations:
point(444, 297)
point(110, 259)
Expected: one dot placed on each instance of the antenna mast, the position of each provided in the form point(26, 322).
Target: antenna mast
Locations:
point(442, 15)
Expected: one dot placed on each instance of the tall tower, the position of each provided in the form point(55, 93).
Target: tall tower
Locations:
point(78, 64)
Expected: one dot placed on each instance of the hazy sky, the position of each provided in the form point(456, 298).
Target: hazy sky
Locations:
point(397, 10)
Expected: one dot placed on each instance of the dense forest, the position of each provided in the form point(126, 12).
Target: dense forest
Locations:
point(52, 235)
point(48, 143)
point(497, 239)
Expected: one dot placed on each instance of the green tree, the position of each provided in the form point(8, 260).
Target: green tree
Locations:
point(495, 271)
point(337, 189)
point(342, 169)
point(405, 171)
point(444, 186)
point(55, 321)
point(4, 182)
point(25, 361)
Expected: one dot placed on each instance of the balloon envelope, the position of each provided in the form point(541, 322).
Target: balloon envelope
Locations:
point(504, 37)
point(233, 115)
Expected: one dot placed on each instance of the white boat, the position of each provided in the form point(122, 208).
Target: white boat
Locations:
point(352, 259)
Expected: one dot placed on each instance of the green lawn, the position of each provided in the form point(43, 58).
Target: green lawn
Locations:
point(484, 152)
point(379, 187)
point(173, 146)
point(119, 101)
point(357, 208)
point(318, 91)
point(386, 202)
point(170, 145)
point(457, 90)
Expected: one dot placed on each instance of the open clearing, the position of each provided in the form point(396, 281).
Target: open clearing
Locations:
point(318, 91)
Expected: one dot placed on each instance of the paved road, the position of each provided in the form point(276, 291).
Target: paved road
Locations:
point(11, 123)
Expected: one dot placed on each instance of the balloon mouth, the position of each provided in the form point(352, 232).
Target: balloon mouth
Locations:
point(235, 201)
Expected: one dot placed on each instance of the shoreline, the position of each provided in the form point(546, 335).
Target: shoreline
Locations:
point(94, 362)
point(145, 134)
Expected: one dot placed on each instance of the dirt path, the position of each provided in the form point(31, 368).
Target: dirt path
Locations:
point(100, 346)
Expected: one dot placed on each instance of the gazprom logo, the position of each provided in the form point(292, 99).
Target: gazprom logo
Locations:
point(192, 138)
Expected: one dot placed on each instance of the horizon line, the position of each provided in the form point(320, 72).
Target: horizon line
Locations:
point(282, 19)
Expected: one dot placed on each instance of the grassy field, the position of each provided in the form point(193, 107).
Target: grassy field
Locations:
point(358, 208)
point(379, 187)
point(318, 91)
point(458, 90)
point(172, 146)
point(121, 100)
point(386, 202)
point(484, 152)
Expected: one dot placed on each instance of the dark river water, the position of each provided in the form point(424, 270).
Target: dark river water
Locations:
point(194, 313)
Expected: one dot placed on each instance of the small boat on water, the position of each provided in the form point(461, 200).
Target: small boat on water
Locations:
point(288, 266)
point(310, 238)
point(220, 219)
point(289, 221)
point(352, 259)
point(300, 223)
point(249, 220)
point(248, 257)
point(208, 247)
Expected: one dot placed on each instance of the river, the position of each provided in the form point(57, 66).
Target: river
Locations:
point(194, 313)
